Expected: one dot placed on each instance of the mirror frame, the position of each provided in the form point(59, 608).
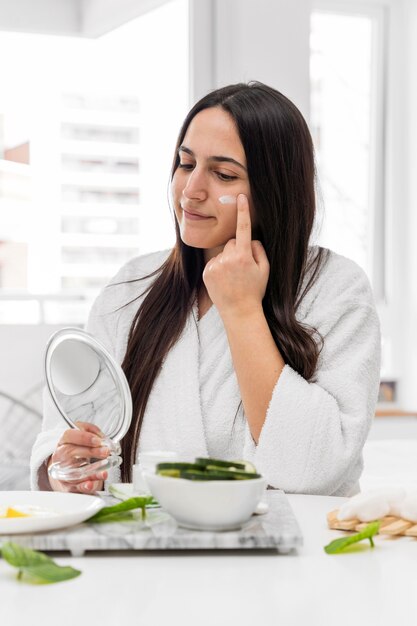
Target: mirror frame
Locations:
point(116, 372)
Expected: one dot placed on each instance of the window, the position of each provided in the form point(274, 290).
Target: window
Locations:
point(347, 122)
point(87, 136)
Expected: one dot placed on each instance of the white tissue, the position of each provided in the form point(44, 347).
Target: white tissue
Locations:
point(373, 504)
point(365, 510)
point(408, 508)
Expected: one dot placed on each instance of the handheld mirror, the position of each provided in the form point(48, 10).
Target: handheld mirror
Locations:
point(87, 385)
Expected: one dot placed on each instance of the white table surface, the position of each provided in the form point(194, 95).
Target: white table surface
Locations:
point(372, 587)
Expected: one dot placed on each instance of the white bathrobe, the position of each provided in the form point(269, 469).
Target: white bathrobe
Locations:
point(313, 435)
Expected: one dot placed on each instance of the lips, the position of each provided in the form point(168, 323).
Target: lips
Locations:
point(192, 215)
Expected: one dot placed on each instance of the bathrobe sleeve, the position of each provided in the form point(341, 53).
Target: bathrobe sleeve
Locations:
point(314, 432)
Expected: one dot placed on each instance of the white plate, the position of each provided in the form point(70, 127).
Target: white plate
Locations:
point(59, 510)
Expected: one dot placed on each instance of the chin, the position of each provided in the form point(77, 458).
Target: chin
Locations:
point(195, 242)
point(191, 243)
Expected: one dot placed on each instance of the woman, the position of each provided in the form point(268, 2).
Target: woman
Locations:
point(243, 341)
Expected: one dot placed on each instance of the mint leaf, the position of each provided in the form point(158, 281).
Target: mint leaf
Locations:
point(117, 512)
point(35, 567)
point(338, 545)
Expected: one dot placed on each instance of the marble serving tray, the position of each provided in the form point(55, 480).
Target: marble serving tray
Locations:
point(277, 530)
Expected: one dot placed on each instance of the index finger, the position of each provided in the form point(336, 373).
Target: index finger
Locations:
point(88, 426)
point(243, 225)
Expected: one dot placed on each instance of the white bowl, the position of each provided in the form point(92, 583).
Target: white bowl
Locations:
point(207, 505)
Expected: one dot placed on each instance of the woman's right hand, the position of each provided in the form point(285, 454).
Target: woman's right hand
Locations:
point(85, 442)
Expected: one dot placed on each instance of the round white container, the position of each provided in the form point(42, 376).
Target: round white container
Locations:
point(146, 463)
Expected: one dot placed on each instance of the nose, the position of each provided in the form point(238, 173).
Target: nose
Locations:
point(195, 187)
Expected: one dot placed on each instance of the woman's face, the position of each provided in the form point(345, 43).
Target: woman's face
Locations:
point(212, 166)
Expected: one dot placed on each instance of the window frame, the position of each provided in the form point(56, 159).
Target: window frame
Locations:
point(378, 11)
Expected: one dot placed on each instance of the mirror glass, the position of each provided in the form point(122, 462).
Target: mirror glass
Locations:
point(87, 385)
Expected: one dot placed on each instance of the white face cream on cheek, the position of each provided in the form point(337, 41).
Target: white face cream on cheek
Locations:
point(227, 199)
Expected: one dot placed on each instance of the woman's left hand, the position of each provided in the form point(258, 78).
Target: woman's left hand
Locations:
point(236, 278)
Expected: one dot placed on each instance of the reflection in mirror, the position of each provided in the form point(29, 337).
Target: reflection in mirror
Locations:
point(84, 386)
point(74, 367)
point(87, 385)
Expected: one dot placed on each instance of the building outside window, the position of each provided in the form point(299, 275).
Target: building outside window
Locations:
point(86, 143)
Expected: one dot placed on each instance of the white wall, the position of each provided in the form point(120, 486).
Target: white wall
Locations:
point(241, 40)
point(22, 350)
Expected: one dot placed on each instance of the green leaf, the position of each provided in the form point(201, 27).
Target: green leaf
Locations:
point(122, 516)
point(338, 545)
point(18, 556)
point(117, 512)
point(34, 566)
point(47, 573)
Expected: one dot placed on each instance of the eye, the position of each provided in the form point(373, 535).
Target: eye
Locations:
point(185, 166)
point(225, 177)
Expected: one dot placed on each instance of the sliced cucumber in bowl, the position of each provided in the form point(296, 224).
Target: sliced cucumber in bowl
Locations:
point(206, 462)
point(209, 469)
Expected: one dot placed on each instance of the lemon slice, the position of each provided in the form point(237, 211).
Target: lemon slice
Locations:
point(10, 512)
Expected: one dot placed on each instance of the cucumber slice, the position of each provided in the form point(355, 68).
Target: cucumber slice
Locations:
point(246, 475)
point(231, 474)
point(219, 463)
point(174, 473)
point(208, 469)
point(216, 473)
point(248, 467)
point(201, 475)
point(176, 466)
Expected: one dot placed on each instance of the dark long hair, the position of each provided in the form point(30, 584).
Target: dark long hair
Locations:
point(280, 162)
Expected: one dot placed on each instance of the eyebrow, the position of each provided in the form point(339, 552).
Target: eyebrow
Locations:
point(217, 159)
